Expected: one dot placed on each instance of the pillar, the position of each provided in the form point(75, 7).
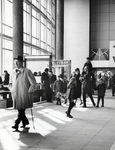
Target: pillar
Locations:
point(0, 39)
point(59, 28)
point(17, 28)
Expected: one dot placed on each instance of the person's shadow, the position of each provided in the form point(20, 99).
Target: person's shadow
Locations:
point(30, 139)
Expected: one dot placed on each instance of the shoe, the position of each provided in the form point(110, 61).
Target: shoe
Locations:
point(15, 127)
point(84, 106)
point(70, 116)
point(102, 106)
point(94, 104)
point(97, 106)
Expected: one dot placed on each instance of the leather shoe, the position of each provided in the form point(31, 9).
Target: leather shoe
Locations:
point(15, 127)
point(70, 116)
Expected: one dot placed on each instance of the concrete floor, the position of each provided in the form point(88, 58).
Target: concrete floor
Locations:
point(91, 128)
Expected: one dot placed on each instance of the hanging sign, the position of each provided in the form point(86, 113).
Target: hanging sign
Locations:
point(61, 63)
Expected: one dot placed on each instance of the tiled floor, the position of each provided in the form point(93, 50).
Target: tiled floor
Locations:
point(90, 129)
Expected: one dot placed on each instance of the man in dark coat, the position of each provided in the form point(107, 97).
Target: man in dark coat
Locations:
point(88, 64)
point(0, 80)
point(46, 83)
point(52, 79)
point(87, 87)
point(6, 77)
point(113, 84)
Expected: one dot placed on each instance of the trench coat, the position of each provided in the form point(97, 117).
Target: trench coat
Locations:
point(21, 82)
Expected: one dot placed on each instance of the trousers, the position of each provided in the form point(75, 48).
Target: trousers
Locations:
point(102, 98)
point(84, 99)
point(21, 117)
point(71, 105)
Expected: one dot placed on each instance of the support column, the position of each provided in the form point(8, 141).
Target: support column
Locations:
point(59, 28)
point(0, 39)
point(17, 28)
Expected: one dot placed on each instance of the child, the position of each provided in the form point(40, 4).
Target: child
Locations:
point(58, 89)
point(71, 96)
point(101, 88)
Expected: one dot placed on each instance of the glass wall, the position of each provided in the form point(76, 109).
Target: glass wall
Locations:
point(102, 29)
point(38, 28)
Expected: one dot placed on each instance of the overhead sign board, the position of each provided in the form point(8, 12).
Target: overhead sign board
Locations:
point(61, 63)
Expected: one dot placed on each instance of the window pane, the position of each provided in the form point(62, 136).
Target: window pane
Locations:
point(7, 60)
point(34, 51)
point(33, 13)
point(27, 50)
point(34, 27)
point(7, 44)
point(8, 12)
point(43, 33)
point(7, 30)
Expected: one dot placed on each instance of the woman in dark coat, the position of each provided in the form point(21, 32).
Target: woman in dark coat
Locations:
point(78, 84)
point(71, 96)
point(87, 86)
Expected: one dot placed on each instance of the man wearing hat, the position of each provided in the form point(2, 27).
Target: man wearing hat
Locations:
point(22, 80)
point(88, 64)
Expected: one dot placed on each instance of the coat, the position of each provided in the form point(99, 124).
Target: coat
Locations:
point(21, 82)
point(87, 87)
point(78, 86)
point(58, 86)
point(113, 80)
point(101, 89)
point(52, 79)
point(72, 92)
point(88, 65)
point(6, 79)
point(71, 89)
point(0, 80)
point(45, 80)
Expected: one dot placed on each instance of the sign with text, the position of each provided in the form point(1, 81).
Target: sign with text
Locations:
point(61, 63)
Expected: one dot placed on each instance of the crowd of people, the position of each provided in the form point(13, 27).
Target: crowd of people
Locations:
point(77, 87)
